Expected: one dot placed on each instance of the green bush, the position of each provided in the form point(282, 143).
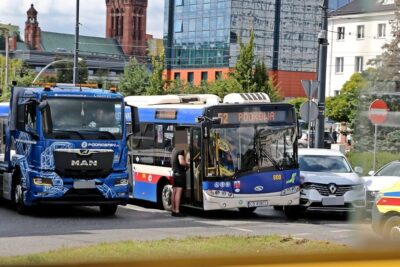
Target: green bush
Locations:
point(365, 159)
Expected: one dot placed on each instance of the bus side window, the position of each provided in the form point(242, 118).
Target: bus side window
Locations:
point(163, 144)
point(142, 144)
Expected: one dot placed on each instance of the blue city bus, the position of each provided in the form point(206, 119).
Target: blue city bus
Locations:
point(242, 152)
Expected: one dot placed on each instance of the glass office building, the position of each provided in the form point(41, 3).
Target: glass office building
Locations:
point(204, 34)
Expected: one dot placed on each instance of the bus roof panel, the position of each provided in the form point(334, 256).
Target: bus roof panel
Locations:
point(183, 115)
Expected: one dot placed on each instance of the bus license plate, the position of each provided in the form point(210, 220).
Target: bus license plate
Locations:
point(261, 203)
point(82, 184)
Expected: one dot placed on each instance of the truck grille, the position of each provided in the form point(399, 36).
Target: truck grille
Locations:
point(78, 163)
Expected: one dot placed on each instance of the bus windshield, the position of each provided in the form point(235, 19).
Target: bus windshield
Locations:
point(240, 149)
point(78, 118)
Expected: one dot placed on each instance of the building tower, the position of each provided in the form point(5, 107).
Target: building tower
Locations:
point(126, 22)
point(32, 29)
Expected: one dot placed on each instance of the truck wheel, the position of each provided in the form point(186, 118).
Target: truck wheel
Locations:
point(166, 197)
point(292, 212)
point(18, 197)
point(391, 229)
point(247, 211)
point(108, 210)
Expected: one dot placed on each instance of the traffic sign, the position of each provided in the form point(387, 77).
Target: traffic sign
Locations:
point(310, 87)
point(378, 111)
point(309, 111)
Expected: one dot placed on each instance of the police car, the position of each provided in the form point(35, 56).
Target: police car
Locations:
point(386, 212)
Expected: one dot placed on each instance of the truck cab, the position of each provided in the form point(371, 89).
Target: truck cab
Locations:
point(65, 145)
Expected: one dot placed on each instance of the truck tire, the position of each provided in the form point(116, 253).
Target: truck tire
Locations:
point(247, 211)
point(292, 212)
point(18, 196)
point(166, 197)
point(391, 228)
point(108, 210)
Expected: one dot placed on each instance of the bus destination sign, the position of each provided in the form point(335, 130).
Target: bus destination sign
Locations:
point(254, 117)
point(166, 114)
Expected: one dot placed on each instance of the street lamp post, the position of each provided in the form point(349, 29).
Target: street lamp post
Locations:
point(5, 30)
point(76, 55)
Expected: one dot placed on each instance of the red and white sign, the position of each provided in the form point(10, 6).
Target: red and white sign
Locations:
point(378, 111)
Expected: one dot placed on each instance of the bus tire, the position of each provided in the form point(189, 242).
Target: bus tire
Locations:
point(108, 210)
point(166, 197)
point(391, 228)
point(247, 211)
point(292, 212)
point(18, 195)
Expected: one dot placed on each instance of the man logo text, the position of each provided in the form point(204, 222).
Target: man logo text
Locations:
point(84, 163)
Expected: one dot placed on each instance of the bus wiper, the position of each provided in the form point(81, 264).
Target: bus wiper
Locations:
point(103, 132)
point(70, 131)
point(264, 154)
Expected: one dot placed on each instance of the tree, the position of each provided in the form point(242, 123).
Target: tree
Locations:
point(156, 82)
point(224, 87)
point(243, 71)
point(344, 107)
point(65, 70)
point(263, 83)
point(297, 102)
point(134, 80)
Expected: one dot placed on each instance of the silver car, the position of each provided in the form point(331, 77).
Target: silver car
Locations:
point(328, 182)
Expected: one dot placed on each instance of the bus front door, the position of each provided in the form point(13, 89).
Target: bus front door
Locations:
point(195, 166)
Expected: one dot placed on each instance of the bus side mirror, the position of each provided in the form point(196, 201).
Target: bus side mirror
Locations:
point(135, 119)
point(216, 120)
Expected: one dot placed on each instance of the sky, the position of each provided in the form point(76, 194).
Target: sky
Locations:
point(59, 15)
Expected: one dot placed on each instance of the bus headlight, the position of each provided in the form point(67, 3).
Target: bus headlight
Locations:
point(121, 182)
point(219, 193)
point(43, 181)
point(290, 190)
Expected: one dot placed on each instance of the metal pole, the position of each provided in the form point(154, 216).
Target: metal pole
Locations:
point(323, 53)
point(76, 52)
point(5, 88)
point(375, 141)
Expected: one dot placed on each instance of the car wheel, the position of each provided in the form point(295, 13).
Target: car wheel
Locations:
point(247, 211)
point(108, 210)
point(166, 197)
point(391, 229)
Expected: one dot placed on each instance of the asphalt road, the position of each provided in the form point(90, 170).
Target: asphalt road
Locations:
point(56, 227)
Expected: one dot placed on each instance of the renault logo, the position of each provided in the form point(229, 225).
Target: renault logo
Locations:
point(258, 188)
point(332, 188)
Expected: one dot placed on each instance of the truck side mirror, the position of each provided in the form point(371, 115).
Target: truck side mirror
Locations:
point(21, 117)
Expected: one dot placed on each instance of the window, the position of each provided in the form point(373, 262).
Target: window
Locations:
point(336, 92)
point(190, 77)
point(360, 32)
point(218, 75)
point(358, 64)
point(177, 76)
point(204, 75)
point(143, 144)
point(381, 30)
point(178, 26)
point(340, 33)
point(339, 65)
point(178, 2)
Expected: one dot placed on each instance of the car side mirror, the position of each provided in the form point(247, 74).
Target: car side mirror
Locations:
point(370, 173)
point(358, 170)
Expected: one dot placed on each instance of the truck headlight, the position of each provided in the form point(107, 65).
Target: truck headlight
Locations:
point(121, 182)
point(43, 181)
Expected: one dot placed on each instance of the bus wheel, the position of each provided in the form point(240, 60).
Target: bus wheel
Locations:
point(391, 230)
point(18, 197)
point(292, 212)
point(247, 211)
point(108, 210)
point(166, 197)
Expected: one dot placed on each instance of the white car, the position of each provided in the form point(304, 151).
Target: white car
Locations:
point(384, 177)
point(328, 183)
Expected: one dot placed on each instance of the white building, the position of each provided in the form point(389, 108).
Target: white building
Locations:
point(356, 34)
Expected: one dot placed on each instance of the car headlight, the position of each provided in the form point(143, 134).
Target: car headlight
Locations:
point(43, 181)
point(358, 187)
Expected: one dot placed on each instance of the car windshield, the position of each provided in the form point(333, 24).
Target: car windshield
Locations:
point(317, 163)
point(241, 149)
point(392, 169)
point(77, 118)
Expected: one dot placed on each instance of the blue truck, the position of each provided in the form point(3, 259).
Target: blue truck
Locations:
point(64, 145)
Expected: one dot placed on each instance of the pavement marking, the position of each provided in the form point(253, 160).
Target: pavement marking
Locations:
point(342, 231)
point(137, 208)
point(242, 229)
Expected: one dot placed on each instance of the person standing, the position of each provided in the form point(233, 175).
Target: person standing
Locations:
point(334, 136)
point(179, 167)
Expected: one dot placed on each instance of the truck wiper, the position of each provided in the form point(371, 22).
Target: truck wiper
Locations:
point(70, 131)
point(103, 132)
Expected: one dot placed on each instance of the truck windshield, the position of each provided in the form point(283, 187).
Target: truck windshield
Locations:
point(233, 150)
point(85, 118)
